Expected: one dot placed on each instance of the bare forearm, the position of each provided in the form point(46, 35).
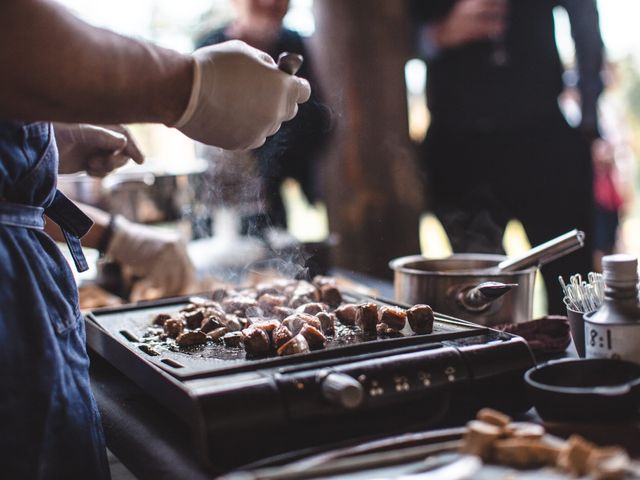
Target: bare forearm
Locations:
point(56, 67)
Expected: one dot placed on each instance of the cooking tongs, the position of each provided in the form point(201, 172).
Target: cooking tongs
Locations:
point(545, 252)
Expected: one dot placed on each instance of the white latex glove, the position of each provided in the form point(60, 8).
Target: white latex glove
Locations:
point(97, 150)
point(159, 259)
point(239, 97)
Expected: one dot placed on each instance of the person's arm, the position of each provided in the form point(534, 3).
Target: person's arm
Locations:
point(57, 67)
point(585, 29)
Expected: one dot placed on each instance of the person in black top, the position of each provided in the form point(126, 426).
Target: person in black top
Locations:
point(294, 151)
point(498, 146)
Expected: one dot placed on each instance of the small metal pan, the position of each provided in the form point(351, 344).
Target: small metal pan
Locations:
point(596, 389)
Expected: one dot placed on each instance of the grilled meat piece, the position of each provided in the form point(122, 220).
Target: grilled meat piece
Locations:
point(256, 341)
point(296, 321)
point(327, 322)
point(384, 330)
point(161, 318)
point(283, 312)
point(194, 318)
point(347, 314)
point(267, 302)
point(219, 294)
point(238, 304)
point(313, 308)
point(420, 318)
point(280, 336)
point(297, 344)
point(314, 337)
point(209, 324)
point(232, 322)
point(330, 295)
point(232, 339)
point(267, 325)
point(195, 337)
point(394, 317)
point(218, 333)
point(300, 300)
point(367, 317)
point(173, 327)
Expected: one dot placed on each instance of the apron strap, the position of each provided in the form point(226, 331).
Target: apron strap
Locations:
point(24, 216)
point(74, 225)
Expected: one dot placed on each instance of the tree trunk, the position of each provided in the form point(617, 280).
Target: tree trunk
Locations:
point(370, 181)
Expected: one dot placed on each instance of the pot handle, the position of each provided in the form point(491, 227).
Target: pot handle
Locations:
point(479, 298)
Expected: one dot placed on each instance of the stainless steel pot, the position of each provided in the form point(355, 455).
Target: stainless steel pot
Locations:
point(141, 194)
point(465, 286)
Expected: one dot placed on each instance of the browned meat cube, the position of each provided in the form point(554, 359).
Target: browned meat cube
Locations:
point(193, 319)
point(173, 327)
point(384, 330)
point(268, 302)
point(297, 344)
point(232, 322)
point(190, 307)
point(314, 337)
point(327, 322)
point(296, 321)
point(195, 337)
point(266, 325)
point(161, 318)
point(313, 308)
point(394, 317)
point(347, 314)
point(420, 318)
point(213, 318)
point(256, 341)
point(218, 333)
point(219, 294)
point(238, 304)
point(209, 324)
point(283, 312)
point(280, 336)
point(367, 317)
point(232, 339)
point(330, 295)
point(299, 300)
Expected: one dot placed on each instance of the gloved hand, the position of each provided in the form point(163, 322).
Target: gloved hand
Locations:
point(95, 149)
point(239, 97)
point(159, 259)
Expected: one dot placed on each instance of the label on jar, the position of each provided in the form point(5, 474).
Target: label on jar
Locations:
point(612, 341)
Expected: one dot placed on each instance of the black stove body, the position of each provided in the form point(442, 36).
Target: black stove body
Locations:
point(241, 409)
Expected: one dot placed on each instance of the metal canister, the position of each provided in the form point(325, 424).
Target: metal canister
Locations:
point(613, 331)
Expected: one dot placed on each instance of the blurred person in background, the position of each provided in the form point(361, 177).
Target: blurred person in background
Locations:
point(294, 151)
point(65, 70)
point(498, 146)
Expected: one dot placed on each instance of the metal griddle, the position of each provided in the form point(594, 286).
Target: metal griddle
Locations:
point(271, 405)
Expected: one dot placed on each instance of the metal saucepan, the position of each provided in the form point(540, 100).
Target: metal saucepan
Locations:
point(466, 286)
point(478, 287)
point(141, 194)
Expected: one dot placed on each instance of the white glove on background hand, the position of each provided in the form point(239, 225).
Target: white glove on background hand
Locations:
point(239, 97)
point(97, 150)
point(159, 259)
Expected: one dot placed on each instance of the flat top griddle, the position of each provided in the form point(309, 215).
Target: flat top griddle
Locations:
point(129, 325)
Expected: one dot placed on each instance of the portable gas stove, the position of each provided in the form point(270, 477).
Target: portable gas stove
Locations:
point(241, 409)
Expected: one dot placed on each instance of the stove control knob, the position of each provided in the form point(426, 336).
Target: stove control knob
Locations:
point(342, 390)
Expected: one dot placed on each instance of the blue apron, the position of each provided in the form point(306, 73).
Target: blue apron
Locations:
point(49, 423)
